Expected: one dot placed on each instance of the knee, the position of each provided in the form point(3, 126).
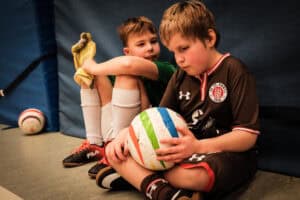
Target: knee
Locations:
point(193, 179)
point(110, 161)
point(126, 82)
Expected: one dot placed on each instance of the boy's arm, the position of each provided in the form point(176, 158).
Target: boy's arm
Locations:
point(234, 141)
point(186, 145)
point(123, 65)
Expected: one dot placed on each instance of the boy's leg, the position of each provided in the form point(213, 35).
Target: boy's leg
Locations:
point(153, 185)
point(156, 187)
point(126, 102)
point(91, 101)
point(128, 99)
point(129, 170)
point(196, 178)
point(104, 88)
point(91, 110)
point(225, 171)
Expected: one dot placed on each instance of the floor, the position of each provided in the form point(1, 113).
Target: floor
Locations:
point(31, 169)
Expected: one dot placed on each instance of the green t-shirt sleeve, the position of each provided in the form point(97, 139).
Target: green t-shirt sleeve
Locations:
point(156, 88)
point(165, 70)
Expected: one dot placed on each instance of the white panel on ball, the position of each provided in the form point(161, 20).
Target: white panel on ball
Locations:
point(31, 121)
point(145, 132)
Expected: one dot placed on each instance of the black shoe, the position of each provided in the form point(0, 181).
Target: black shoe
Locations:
point(84, 154)
point(184, 195)
point(108, 178)
point(176, 194)
point(96, 168)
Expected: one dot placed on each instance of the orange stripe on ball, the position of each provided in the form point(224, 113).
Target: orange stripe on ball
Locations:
point(135, 143)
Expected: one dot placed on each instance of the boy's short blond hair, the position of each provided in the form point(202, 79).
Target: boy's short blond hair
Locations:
point(189, 18)
point(135, 25)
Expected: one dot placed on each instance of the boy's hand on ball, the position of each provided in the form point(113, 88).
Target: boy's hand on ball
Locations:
point(179, 148)
point(146, 132)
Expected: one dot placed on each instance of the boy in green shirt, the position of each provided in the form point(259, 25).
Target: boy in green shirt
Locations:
point(139, 81)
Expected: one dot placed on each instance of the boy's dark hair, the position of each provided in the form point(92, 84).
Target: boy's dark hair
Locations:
point(190, 18)
point(136, 25)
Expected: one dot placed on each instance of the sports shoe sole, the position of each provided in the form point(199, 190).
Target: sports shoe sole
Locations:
point(92, 175)
point(195, 196)
point(103, 174)
point(68, 165)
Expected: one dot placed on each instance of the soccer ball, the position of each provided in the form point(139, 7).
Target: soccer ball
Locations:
point(145, 132)
point(31, 121)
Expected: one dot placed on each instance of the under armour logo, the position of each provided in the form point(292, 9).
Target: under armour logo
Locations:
point(187, 95)
point(197, 157)
point(153, 187)
point(92, 154)
point(151, 190)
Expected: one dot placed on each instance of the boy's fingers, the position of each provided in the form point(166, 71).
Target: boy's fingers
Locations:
point(169, 158)
point(171, 141)
point(125, 149)
point(183, 130)
point(120, 153)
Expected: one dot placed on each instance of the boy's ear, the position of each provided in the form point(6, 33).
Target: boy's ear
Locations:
point(126, 51)
point(212, 38)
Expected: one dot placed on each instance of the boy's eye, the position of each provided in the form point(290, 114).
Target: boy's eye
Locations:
point(153, 41)
point(140, 44)
point(182, 49)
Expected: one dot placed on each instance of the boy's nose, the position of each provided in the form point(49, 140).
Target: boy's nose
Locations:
point(149, 46)
point(179, 59)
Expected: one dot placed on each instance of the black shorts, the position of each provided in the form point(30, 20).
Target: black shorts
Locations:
point(227, 170)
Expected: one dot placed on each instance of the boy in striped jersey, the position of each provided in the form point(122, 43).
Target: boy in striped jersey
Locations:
point(216, 95)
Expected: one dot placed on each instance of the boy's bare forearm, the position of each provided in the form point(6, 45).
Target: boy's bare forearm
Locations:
point(234, 141)
point(123, 65)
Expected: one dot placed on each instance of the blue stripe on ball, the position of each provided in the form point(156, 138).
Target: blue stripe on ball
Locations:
point(168, 121)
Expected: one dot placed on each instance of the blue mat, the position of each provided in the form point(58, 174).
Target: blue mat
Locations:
point(29, 34)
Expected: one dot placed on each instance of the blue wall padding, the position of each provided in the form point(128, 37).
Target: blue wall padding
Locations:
point(28, 33)
point(279, 142)
point(264, 34)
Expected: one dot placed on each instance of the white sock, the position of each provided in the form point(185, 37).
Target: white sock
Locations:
point(90, 104)
point(106, 122)
point(126, 104)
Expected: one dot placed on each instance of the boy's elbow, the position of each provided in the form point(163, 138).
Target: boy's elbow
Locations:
point(252, 138)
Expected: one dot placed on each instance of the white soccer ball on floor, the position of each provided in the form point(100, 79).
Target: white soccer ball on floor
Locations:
point(31, 121)
point(145, 132)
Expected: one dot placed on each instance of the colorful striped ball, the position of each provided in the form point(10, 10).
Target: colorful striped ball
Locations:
point(31, 121)
point(145, 132)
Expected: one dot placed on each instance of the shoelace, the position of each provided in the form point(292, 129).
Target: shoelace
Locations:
point(104, 159)
point(85, 145)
